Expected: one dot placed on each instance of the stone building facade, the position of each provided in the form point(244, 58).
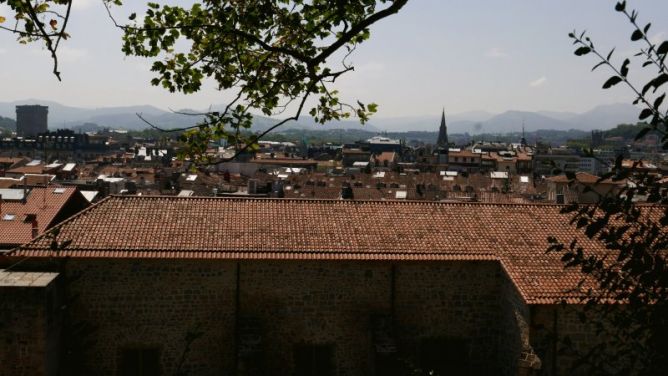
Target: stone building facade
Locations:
point(29, 326)
point(206, 286)
point(255, 316)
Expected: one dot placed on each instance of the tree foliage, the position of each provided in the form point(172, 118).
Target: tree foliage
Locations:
point(631, 224)
point(274, 55)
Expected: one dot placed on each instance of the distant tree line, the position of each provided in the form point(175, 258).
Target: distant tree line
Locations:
point(7, 123)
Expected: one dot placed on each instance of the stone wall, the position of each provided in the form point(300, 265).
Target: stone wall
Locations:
point(514, 330)
point(29, 330)
point(551, 325)
point(452, 300)
point(159, 303)
point(156, 304)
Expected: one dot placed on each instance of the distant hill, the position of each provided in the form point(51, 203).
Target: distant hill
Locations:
point(61, 116)
point(472, 122)
point(511, 121)
point(7, 123)
point(563, 116)
point(606, 117)
point(477, 122)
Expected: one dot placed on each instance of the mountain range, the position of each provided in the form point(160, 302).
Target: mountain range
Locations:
point(477, 122)
point(473, 122)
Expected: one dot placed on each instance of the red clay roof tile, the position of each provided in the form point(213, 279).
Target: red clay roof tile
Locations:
point(236, 228)
point(41, 201)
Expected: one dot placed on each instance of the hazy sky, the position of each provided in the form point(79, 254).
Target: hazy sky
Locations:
point(491, 55)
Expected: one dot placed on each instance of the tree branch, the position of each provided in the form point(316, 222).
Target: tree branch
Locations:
point(358, 28)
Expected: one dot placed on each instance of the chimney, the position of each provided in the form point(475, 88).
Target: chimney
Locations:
point(347, 192)
point(277, 190)
point(35, 230)
point(32, 218)
point(25, 189)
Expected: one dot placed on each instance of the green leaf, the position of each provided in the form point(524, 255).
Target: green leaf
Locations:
point(663, 48)
point(662, 79)
point(612, 81)
point(610, 54)
point(625, 68)
point(647, 28)
point(582, 51)
point(597, 65)
point(644, 114)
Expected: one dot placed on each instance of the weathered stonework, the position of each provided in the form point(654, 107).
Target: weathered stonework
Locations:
point(213, 317)
point(29, 324)
point(158, 302)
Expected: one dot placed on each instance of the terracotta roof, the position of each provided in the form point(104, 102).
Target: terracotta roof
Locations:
point(522, 156)
point(584, 178)
point(44, 202)
point(388, 156)
point(233, 228)
point(12, 160)
point(38, 169)
point(464, 153)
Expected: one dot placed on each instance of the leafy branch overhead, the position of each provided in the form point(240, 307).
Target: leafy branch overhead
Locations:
point(634, 270)
point(44, 21)
point(653, 55)
point(274, 55)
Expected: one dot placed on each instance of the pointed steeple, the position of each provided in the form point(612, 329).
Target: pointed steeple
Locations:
point(523, 141)
point(442, 133)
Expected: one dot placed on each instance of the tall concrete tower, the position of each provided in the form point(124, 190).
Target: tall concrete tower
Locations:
point(31, 120)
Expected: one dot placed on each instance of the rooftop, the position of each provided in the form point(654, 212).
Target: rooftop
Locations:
point(308, 229)
point(584, 178)
point(46, 203)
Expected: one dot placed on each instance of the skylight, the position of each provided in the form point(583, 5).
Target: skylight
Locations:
point(8, 217)
point(59, 190)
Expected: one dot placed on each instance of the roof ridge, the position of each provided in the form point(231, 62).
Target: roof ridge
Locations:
point(298, 251)
point(309, 199)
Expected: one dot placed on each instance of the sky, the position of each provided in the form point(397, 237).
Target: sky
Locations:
point(461, 55)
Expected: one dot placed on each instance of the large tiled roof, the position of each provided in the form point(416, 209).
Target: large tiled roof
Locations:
point(170, 227)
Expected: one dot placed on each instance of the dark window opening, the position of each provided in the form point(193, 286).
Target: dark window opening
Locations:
point(314, 360)
point(444, 356)
point(140, 362)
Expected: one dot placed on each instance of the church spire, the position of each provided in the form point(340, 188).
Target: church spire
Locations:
point(443, 133)
point(523, 141)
